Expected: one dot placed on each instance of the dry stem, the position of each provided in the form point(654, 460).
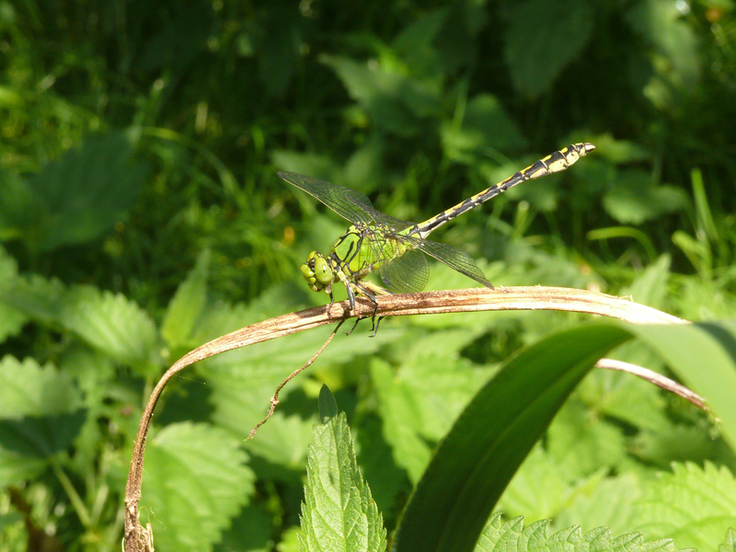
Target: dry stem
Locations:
point(433, 302)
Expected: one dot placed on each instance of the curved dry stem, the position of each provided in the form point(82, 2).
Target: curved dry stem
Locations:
point(653, 377)
point(432, 302)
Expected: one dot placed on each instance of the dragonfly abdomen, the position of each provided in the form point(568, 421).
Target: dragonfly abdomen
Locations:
point(555, 162)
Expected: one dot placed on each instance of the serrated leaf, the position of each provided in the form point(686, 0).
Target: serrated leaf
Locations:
point(41, 436)
point(420, 402)
point(730, 543)
point(608, 502)
point(542, 38)
point(512, 536)
point(83, 193)
point(112, 324)
point(695, 506)
point(242, 383)
point(40, 408)
point(36, 297)
point(338, 512)
point(27, 389)
point(187, 304)
point(195, 480)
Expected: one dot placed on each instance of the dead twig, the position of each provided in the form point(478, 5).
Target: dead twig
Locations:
point(433, 302)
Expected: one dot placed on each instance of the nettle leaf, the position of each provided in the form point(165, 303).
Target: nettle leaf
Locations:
point(695, 506)
point(730, 543)
point(542, 38)
point(40, 413)
point(36, 297)
point(512, 536)
point(27, 389)
point(195, 480)
point(82, 194)
point(419, 403)
point(338, 512)
point(242, 382)
point(113, 324)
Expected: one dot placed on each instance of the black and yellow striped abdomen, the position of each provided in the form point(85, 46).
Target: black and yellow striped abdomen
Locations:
point(555, 162)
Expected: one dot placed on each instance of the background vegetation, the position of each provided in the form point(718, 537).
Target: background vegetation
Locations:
point(141, 215)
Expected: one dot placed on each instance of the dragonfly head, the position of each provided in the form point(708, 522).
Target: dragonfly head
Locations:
point(318, 272)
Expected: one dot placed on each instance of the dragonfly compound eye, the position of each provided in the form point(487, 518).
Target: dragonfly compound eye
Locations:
point(322, 271)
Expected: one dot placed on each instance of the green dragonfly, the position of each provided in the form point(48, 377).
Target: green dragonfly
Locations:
point(394, 247)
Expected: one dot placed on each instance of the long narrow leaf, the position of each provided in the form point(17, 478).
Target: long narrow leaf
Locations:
point(477, 459)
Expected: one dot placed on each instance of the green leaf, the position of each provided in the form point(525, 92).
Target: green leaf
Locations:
point(41, 436)
point(11, 319)
point(40, 408)
point(338, 512)
point(495, 433)
point(730, 543)
point(635, 199)
point(27, 389)
point(485, 127)
point(415, 44)
point(17, 468)
point(695, 506)
point(327, 405)
point(112, 324)
point(512, 536)
point(420, 402)
point(36, 297)
point(195, 480)
point(542, 38)
point(187, 305)
point(400, 421)
point(85, 192)
point(243, 381)
point(492, 437)
point(704, 357)
point(20, 210)
point(394, 102)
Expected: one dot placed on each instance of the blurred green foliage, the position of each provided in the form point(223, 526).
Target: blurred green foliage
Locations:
point(141, 215)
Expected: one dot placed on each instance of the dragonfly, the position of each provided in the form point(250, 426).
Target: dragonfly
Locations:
point(395, 248)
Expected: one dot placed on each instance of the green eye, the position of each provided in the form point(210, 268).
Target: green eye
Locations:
point(308, 273)
point(322, 271)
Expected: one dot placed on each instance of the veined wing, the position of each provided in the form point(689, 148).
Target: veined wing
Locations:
point(455, 258)
point(407, 272)
point(349, 204)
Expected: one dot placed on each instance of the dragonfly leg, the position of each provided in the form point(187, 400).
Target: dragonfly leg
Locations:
point(372, 298)
point(357, 320)
point(376, 324)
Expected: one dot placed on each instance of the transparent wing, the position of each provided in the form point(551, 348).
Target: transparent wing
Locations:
point(347, 203)
point(405, 273)
point(455, 258)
